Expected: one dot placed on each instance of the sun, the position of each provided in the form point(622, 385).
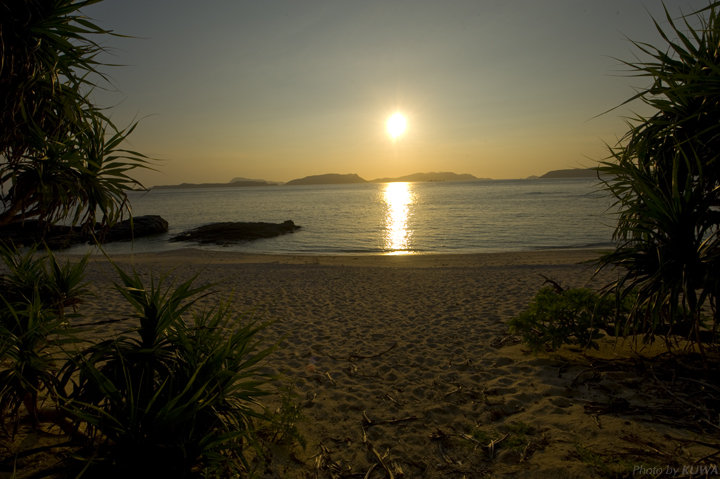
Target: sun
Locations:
point(396, 125)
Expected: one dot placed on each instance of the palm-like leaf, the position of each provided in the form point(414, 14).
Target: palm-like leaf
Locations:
point(167, 392)
point(62, 155)
point(665, 177)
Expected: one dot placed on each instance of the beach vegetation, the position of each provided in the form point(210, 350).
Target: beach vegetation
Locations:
point(664, 176)
point(616, 464)
point(57, 286)
point(483, 437)
point(177, 393)
point(174, 394)
point(283, 425)
point(514, 438)
point(515, 443)
point(61, 155)
point(520, 428)
point(517, 439)
point(35, 292)
point(575, 316)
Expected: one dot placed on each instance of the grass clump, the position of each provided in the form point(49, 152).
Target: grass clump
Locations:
point(483, 437)
point(515, 438)
point(520, 428)
point(282, 427)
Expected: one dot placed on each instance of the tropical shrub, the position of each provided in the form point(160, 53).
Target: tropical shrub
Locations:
point(665, 177)
point(34, 295)
point(572, 316)
point(168, 397)
point(60, 154)
point(176, 394)
point(57, 286)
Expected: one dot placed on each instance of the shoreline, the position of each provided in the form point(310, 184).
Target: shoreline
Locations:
point(199, 256)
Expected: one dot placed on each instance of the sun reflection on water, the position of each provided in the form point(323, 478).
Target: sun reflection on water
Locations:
point(398, 198)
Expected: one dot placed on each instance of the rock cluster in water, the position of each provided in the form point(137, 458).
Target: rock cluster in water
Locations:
point(59, 237)
point(235, 232)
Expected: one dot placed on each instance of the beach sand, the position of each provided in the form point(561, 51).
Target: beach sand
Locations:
point(408, 358)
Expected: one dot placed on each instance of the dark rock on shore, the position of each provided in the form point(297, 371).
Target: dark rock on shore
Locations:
point(142, 226)
point(231, 233)
point(30, 232)
point(60, 237)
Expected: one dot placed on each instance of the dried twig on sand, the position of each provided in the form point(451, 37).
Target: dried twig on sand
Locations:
point(370, 422)
point(352, 357)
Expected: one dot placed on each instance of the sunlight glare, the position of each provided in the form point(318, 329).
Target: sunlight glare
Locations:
point(398, 199)
point(396, 125)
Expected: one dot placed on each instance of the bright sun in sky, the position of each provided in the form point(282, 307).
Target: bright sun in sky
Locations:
point(396, 125)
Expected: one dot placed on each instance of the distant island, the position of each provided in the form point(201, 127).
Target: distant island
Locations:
point(337, 179)
point(232, 184)
point(352, 178)
point(240, 178)
point(442, 176)
point(570, 173)
point(328, 179)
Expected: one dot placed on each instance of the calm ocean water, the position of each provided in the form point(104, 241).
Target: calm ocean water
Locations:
point(391, 218)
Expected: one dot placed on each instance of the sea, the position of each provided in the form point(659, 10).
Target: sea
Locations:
point(389, 218)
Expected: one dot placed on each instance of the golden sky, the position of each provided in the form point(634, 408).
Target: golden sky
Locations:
point(284, 89)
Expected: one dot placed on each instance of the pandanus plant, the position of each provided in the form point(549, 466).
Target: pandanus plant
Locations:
point(60, 155)
point(665, 177)
point(35, 295)
point(178, 392)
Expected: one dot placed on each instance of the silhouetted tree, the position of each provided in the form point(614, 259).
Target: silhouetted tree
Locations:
point(59, 154)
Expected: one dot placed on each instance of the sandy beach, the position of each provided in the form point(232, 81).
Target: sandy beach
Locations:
point(404, 363)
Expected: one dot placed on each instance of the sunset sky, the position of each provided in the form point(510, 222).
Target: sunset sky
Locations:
point(279, 90)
